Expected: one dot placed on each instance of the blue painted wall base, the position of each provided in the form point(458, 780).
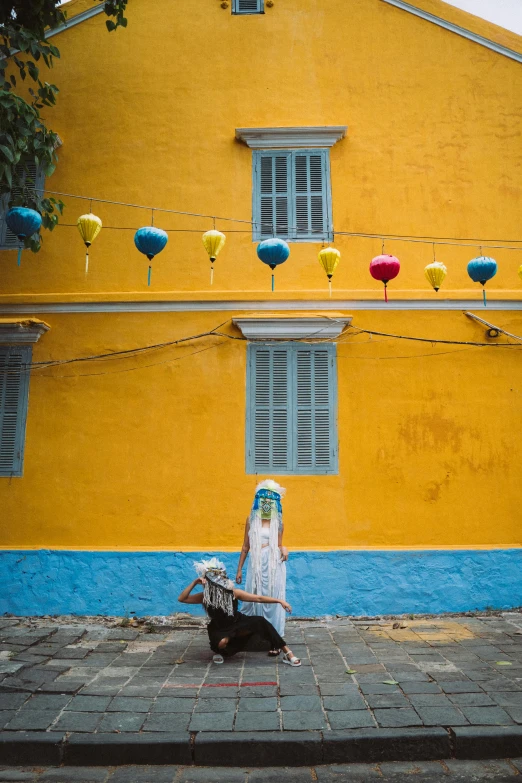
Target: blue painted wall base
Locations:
point(319, 583)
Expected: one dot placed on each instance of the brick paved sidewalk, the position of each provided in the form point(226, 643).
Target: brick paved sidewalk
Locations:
point(88, 678)
point(393, 772)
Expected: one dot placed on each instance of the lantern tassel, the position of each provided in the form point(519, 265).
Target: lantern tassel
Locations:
point(385, 293)
point(330, 288)
point(149, 275)
point(272, 281)
point(484, 296)
point(19, 261)
point(211, 274)
point(86, 262)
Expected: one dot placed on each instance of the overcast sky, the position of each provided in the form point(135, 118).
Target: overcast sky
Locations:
point(506, 13)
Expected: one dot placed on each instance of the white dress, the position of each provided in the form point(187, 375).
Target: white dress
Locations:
point(274, 613)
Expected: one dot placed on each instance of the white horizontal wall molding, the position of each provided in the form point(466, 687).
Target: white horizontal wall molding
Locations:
point(455, 28)
point(21, 331)
point(238, 305)
point(290, 138)
point(292, 328)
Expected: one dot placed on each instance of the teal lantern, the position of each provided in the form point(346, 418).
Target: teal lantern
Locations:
point(23, 222)
point(273, 252)
point(150, 241)
point(482, 269)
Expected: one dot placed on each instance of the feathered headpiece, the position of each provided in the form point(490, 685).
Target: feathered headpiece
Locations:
point(266, 491)
point(218, 591)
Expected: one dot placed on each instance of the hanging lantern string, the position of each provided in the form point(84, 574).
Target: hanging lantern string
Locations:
point(434, 259)
point(461, 241)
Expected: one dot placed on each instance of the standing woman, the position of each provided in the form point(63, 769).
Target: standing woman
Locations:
point(266, 570)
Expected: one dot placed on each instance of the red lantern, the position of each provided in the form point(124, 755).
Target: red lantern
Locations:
point(384, 268)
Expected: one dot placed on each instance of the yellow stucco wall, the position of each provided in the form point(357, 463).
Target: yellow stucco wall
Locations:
point(433, 144)
point(149, 452)
point(120, 454)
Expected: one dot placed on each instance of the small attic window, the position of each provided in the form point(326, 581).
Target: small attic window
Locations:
point(248, 7)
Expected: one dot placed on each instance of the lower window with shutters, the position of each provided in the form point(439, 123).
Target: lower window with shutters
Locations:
point(14, 392)
point(291, 409)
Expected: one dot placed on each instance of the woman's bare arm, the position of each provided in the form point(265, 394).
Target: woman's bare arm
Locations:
point(244, 552)
point(261, 599)
point(282, 549)
point(185, 598)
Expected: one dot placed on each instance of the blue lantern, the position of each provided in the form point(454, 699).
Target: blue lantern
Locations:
point(23, 222)
point(273, 252)
point(150, 241)
point(482, 269)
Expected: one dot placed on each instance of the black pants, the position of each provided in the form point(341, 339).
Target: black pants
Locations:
point(240, 633)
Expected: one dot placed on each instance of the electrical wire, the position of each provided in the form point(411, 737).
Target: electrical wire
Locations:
point(458, 241)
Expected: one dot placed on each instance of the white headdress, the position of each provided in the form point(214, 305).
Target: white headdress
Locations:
point(218, 591)
point(267, 503)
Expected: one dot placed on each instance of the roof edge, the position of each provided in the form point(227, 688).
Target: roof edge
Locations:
point(74, 20)
point(457, 29)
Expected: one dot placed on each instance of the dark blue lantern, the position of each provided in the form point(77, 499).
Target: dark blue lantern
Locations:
point(482, 269)
point(273, 252)
point(150, 241)
point(23, 222)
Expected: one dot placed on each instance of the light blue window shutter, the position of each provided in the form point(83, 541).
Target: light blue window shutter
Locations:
point(268, 447)
point(312, 194)
point(247, 6)
point(315, 410)
point(272, 182)
point(14, 388)
point(34, 178)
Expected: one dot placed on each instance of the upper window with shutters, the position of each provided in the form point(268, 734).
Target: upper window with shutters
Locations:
point(33, 178)
point(248, 7)
point(291, 409)
point(14, 390)
point(292, 195)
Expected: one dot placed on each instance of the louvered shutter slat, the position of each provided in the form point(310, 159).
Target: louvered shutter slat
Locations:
point(34, 179)
point(313, 442)
point(13, 407)
point(273, 194)
point(270, 415)
point(310, 195)
point(248, 6)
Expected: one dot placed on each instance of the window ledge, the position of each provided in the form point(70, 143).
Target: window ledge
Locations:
point(28, 331)
point(290, 138)
point(314, 327)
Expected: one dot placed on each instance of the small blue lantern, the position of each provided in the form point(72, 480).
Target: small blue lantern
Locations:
point(150, 241)
point(482, 269)
point(273, 252)
point(23, 222)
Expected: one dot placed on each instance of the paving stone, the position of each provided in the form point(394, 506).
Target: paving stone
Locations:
point(334, 688)
point(6, 716)
point(216, 705)
point(420, 687)
point(480, 742)
point(393, 718)
point(500, 685)
point(351, 701)
point(88, 703)
point(257, 721)
point(209, 721)
point(415, 769)
point(471, 699)
point(257, 704)
point(32, 720)
point(78, 721)
point(378, 687)
point(129, 704)
point(302, 703)
point(515, 713)
point(460, 686)
point(14, 775)
point(42, 701)
point(75, 775)
point(347, 773)
point(167, 721)
point(385, 700)
point(507, 699)
point(441, 716)
point(156, 774)
point(11, 701)
point(429, 700)
point(122, 721)
point(350, 719)
point(61, 686)
point(166, 704)
point(223, 693)
point(279, 774)
point(487, 716)
point(301, 721)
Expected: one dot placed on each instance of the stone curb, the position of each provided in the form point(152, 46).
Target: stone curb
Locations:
point(261, 749)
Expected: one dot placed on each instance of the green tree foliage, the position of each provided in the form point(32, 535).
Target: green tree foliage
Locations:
point(25, 139)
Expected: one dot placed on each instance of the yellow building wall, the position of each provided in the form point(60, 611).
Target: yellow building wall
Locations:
point(150, 452)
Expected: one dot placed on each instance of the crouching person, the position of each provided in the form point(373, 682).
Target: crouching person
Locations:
point(229, 630)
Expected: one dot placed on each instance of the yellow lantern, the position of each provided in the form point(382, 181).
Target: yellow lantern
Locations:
point(329, 257)
point(213, 241)
point(435, 274)
point(89, 227)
